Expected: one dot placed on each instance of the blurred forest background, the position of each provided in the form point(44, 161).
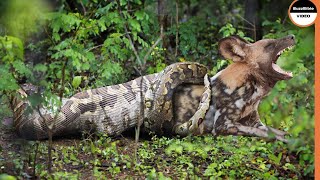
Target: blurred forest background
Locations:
point(66, 46)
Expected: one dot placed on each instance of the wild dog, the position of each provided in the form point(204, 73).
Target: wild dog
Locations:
point(238, 89)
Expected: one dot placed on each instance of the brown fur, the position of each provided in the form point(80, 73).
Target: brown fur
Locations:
point(186, 101)
point(228, 75)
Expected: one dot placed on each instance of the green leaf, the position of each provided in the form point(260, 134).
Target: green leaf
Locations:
point(56, 36)
point(7, 177)
point(211, 169)
point(40, 67)
point(7, 82)
point(85, 66)
point(135, 25)
point(18, 46)
point(76, 81)
point(275, 159)
point(22, 68)
point(90, 56)
point(35, 99)
point(139, 15)
point(73, 157)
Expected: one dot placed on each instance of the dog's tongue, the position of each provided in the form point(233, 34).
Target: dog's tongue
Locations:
point(279, 70)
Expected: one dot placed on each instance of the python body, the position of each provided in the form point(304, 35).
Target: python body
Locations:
point(114, 109)
point(181, 99)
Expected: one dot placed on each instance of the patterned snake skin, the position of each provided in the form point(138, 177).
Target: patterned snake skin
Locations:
point(114, 109)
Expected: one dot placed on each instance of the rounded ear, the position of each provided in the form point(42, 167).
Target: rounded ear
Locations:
point(233, 48)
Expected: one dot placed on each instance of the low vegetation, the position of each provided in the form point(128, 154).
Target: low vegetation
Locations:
point(158, 158)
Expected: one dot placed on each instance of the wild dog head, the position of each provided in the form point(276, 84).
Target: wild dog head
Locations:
point(260, 56)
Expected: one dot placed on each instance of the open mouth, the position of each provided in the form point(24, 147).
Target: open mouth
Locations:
point(278, 68)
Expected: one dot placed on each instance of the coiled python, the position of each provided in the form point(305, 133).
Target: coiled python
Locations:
point(114, 109)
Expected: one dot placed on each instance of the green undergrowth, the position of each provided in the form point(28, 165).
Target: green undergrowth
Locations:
point(159, 158)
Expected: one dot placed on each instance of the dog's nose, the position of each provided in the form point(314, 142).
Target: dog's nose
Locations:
point(291, 36)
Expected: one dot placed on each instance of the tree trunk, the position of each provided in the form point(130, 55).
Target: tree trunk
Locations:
point(163, 21)
point(252, 19)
